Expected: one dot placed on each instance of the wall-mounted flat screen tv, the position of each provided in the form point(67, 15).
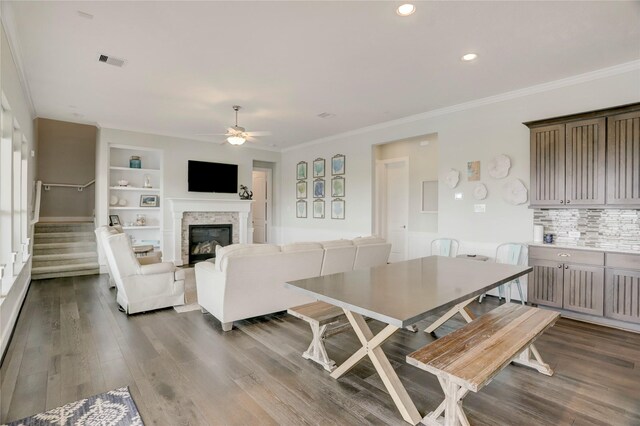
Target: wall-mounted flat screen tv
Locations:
point(212, 177)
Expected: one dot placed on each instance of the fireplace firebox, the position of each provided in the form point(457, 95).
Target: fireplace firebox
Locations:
point(203, 240)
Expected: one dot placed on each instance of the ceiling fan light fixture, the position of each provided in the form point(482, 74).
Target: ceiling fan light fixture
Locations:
point(236, 140)
point(405, 9)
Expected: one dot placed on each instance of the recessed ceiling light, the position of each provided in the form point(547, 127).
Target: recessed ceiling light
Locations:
point(469, 57)
point(405, 9)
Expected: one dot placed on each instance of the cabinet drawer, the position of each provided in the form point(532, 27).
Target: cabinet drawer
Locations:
point(567, 255)
point(624, 261)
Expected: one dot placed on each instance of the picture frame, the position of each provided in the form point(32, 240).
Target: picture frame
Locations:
point(337, 209)
point(318, 167)
point(473, 171)
point(318, 209)
point(337, 186)
point(338, 164)
point(301, 209)
point(301, 189)
point(114, 220)
point(318, 188)
point(301, 170)
point(149, 201)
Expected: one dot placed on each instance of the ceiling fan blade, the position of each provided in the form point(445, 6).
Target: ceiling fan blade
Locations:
point(259, 133)
point(212, 134)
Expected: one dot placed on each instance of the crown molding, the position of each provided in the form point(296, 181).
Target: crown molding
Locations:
point(10, 30)
point(519, 93)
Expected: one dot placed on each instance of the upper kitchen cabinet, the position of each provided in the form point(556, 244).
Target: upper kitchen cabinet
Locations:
point(623, 152)
point(587, 160)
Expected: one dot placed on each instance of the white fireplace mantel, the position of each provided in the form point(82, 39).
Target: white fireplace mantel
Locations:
point(181, 205)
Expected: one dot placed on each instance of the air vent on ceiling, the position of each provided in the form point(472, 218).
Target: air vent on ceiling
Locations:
point(326, 115)
point(117, 62)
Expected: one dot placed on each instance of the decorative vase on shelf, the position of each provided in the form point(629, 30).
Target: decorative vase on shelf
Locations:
point(141, 220)
point(147, 181)
point(134, 162)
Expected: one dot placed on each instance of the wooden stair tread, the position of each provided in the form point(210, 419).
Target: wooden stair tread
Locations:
point(320, 312)
point(473, 354)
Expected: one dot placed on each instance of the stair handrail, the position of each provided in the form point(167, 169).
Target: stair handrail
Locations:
point(48, 186)
point(36, 205)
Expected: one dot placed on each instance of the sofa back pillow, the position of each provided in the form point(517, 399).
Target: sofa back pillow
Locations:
point(368, 240)
point(233, 250)
point(336, 243)
point(301, 247)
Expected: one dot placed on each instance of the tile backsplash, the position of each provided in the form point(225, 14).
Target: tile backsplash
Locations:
point(602, 228)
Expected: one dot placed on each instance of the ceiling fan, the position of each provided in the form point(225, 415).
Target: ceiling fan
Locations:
point(238, 135)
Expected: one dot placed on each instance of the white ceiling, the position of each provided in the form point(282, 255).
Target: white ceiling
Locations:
point(286, 62)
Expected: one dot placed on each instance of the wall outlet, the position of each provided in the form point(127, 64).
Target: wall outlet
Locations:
point(479, 208)
point(457, 196)
point(574, 234)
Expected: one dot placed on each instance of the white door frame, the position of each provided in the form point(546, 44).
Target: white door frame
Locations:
point(269, 194)
point(380, 222)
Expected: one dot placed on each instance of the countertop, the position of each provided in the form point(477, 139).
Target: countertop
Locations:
point(587, 248)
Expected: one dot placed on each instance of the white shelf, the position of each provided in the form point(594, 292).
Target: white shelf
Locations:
point(133, 208)
point(133, 188)
point(140, 227)
point(130, 169)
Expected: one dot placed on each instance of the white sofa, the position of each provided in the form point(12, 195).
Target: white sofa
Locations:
point(142, 287)
point(247, 280)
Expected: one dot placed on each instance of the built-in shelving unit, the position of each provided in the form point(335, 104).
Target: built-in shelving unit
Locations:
point(132, 193)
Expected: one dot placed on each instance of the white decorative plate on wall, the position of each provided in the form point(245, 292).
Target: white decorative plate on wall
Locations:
point(515, 192)
point(499, 166)
point(480, 191)
point(452, 178)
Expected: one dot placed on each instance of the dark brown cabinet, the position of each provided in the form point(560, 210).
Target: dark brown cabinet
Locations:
point(586, 160)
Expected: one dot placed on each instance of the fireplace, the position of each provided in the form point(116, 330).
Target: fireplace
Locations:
point(203, 240)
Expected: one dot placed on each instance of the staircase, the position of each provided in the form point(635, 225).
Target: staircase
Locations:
point(63, 249)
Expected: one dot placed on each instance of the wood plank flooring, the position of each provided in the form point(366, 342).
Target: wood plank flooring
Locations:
point(72, 342)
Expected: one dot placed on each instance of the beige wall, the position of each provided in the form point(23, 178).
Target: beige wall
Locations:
point(67, 155)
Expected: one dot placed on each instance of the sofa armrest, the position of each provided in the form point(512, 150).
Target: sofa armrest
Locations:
point(157, 268)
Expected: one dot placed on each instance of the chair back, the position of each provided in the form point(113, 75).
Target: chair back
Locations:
point(512, 254)
point(447, 247)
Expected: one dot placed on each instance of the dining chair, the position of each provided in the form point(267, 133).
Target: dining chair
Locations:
point(510, 254)
point(444, 247)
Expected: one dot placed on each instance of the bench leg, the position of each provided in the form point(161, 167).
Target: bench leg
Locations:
point(451, 406)
point(317, 351)
point(460, 308)
point(536, 362)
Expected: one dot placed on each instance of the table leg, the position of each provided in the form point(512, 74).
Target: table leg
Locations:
point(460, 308)
point(371, 347)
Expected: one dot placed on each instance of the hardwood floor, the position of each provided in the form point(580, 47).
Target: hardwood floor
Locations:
point(72, 342)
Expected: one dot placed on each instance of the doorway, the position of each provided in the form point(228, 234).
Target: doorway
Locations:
point(392, 195)
point(261, 207)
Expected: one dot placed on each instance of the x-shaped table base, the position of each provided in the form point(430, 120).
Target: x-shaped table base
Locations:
point(371, 346)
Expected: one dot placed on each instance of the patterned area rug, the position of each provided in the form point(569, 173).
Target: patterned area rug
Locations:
point(113, 408)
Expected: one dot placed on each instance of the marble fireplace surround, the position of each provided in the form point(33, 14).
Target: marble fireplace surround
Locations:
point(191, 211)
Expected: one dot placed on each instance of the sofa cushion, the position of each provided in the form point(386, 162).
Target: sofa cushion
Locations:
point(233, 250)
point(301, 247)
point(368, 240)
point(336, 243)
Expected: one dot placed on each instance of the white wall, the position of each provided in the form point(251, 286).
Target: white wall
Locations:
point(176, 152)
point(472, 133)
point(10, 85)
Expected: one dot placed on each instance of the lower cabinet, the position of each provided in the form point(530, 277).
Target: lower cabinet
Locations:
point(584, 289)
point(622, 295)
point(545, 283)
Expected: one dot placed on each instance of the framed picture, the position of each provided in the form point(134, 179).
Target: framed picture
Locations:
point(114, 220)
point(318, 209)
point(318, 167)
point(301, 170)
point(337, 186)
point(473, 171)
point(337, 164)
point(301, 209)
point(337, 209)
point(318, 188)
point(149, 201)
point(301, 189)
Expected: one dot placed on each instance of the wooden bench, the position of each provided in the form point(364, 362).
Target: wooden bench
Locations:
point(468, 358)
point(319, 315)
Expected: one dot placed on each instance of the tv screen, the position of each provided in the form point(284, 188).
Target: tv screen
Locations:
point(212, 177)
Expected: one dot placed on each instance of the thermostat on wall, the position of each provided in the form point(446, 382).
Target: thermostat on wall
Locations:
point(479, 208)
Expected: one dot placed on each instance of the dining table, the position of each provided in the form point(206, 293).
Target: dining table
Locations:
point(400, 294)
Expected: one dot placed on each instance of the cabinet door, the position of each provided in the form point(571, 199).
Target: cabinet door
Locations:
point(585, 143)
point(545, 283)
point(623, 159)
point(622, 295)
point(584, 289)
point(547, 165)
